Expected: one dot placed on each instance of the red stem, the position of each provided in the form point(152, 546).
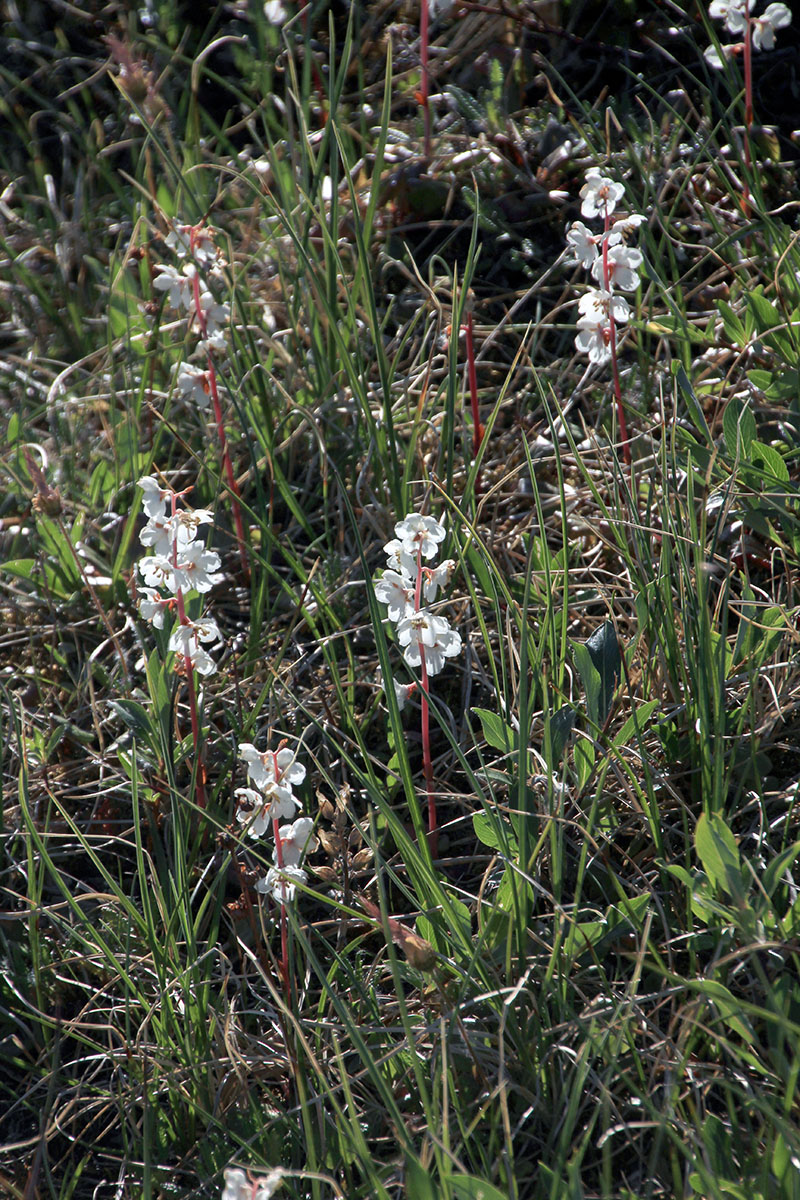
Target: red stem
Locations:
point(472, 374)
point(748, 101)
point(223, 441)
point(427, 763)
point(612, 333)
point(200, 785)
point(284, 934)
point(424, 84)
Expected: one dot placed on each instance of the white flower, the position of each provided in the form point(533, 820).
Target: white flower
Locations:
point(273, 772)
point(624, 225)
point(275, 13)
point(185, 639)
point(403, 691)
point(177, 285)
point(180, 242)
point(197, 567)
point(715, 59)
point(774, 16)
point(155, 497)
point(187, 522)
point(159, 532)
point(397, 591)
point(158, 572)
point(584, 243)
point(418, 534)
point(256, 815)
point(729, 11)
point(594, 338)
point(599, 194)
point(277, 883)
point(434, 578)
point(399, 559)
point(424, 631)
point(193, 384)
point(216, 314)
point(296, 840)
point(238, 1186)
point(598, 305)
point(152, 606)
point(622, 264)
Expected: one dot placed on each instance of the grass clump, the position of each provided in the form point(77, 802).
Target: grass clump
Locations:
point(399, 676)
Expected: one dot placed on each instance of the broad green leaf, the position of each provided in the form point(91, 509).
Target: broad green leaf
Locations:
point(778, 867)
point(584, 761)
point(717, 850)
point(637, 721)
point(728, 1007)
point(598, 661)
point(497, 732)
point(738, 427)
point(488, 831)
point(469, 1187)
point(772, 461)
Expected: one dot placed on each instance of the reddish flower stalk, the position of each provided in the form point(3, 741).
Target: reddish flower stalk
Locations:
point(424, 87)
point(427, 762)
point(188, 671)
point(748, 104)
point(612, 330)
point(223, 441)
point(472, 374)
point(284, 933)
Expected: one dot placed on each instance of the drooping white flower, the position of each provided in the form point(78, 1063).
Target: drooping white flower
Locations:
point(429, 632)
point(599, 194)
point(177, 284)
point(278, 883)
point(418, 534)
point(622, 264)
point(159, 532)
point(434, 578)
point(274, 772)
point(154, 501)
point(180, 242)
point(584, 243)
point(198, 568)
point(398, 559)
point(158, 572)
point(296, 840)
point(275, 12)
point(716, 59)
point(238, 1186)
point(256, 811)
point(729, 11)
point(598, 304)
point(774, 16)
point(397, 591)
point(624, 225)
point(185, 640)
point(216, 314)
point(153, 606)
point(403, 691)
point(193, 384)
point(594, 338)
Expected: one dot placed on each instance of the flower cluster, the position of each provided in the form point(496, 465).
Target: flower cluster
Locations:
point(612, 263)
point(426, 637)
point(239, 1186)
point(737, 19)
point(188, 291)
point(273, 774)
point(179, 564)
